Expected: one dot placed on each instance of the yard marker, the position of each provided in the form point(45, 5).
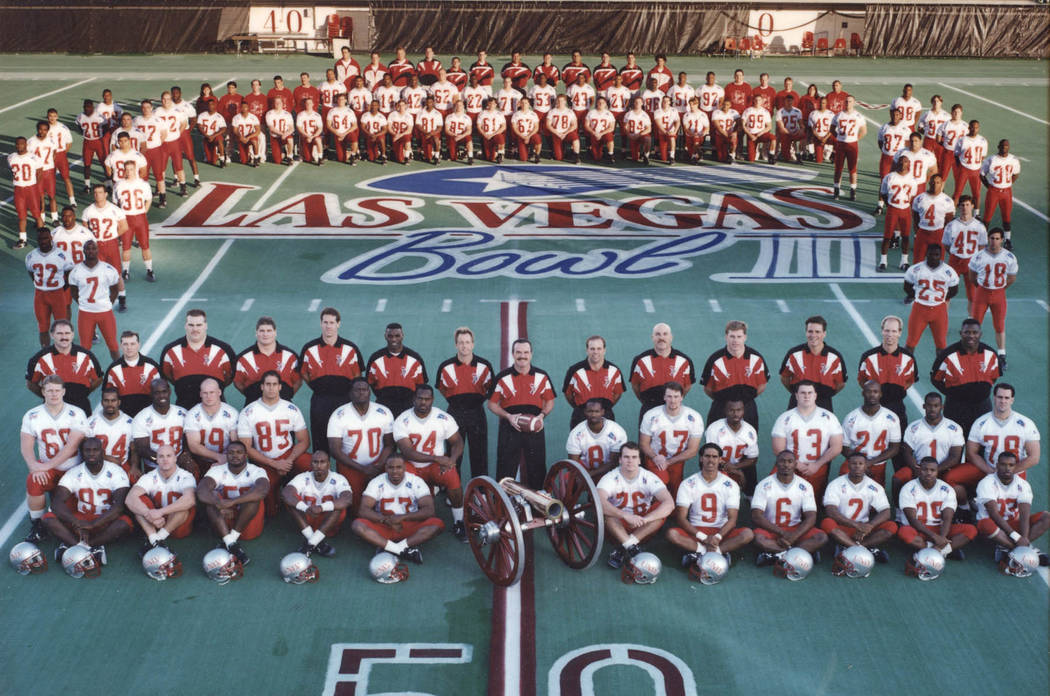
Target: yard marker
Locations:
point(314, 304)
point(46, 94)
point(1043, 304)
point(446, 305)
point(581, 306)
point(381, 304)
point(1032, 210)
point(715, 307)
point(1001, 106)
point(649, 308)
point(247, 304)
point(783, 306)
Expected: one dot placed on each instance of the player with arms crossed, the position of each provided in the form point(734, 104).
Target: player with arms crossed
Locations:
point(738, 442)
point(595, 442)
point(231, 496)
point(317, 501)
point(48, 267)
point(164, 501)
point(635, 504)
point(397, 512)
point(872, 430)
point(784, 513)
point(812, 434)
point(857, 511)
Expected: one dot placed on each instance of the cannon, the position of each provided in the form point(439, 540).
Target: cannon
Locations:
point(496, 515)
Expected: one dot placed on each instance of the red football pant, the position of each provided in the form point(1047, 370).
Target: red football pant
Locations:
point(961, 267)
point(36, 489)
point(317, 521)
point(909, 534)
point(558, 144)
point(62, 164)
point(48, 304)
point(664, 141)
point(138, 227)
point(105, 321)
point(299, 465)
point(671, 476)
point(523, 145)
point(46, 182)
point(897, 219)
point(600, 144)
point(752, 144)
point(989, 528)
point(408, 528)
point(694, 144)
point(818, 479)
point(342, 145)
point(493, 144)
point(759, 531)
point(27, 200)
point(109, 251)
point(155, 160)
point(642, 144)
point(885, 165)
point(785, 142)
point(934, 147)
point(372, 147)
point(253, 529)
point(922, 316)
point(432, 474)
point(845, 153)
point(923, 239)
point(184, 529)
point(451, 142)
point(965, 475)
point(829, 525)
point(86, 516)
point(724, 146)
point(92, 149)
point(186, 145)
point(945, 163)
point(171, 150)
point(964, 176)
point(1001, 197)
point(277, 146)
point(306, 147)
point(995, 300)
point(400, 146)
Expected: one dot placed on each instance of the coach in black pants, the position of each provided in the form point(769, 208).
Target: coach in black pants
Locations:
point(329, 364)
point(465, 381)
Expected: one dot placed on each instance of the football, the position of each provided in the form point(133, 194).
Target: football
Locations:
point(530, 424)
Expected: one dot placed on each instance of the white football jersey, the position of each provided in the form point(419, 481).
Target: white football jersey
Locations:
point(932, 210)
point(61, 137)
point(756, 120)
point(362, 436)
point(992, 270)
point(209, 124)
point(910, 109)
point(172, 122)
point(710, 96)
point(341, 120)
point(808, 438)
point(491, 123)
point(856, 501)
point(1010, 435)
point(313, 492)
point(115, 434)
point(244, 125)
point(636, 122)
point(934, 441)
point(397, 500)
point(216, 431)
point(1006, 496)
point(72, 241)
point(735, 444)
point(931, 284)
point(458, 125)
point(561, 121)
point(581, 97)
point(971, 151)
point(43, 149)
point(671, 435)
point(638, 494)
point(619, 98)
point(783, 505)
point(279, 123)
point(165, 491)
point(931, 121)
point(52, 432)
point(846, 125)
point(24, 168)
point(94, 493)
point(696, 123)
point(667, 120)
point(928, 504)
point(373, 124)
point(93, 286)
point(104, 222)
point(595, 449)
point(270, 428)
point(898, 190)
point(427, 435)
point(474, 98)
point(309, 124)
point(543, 98)
point(118, 161)
point(152, 131)
point(820, 122)
point(708, 503)
point(680, 96)
point(230, 485)
point(161, 429)
point(919, 163)
point(893, 138)
point(133, 197)
point(48, 269)
point(414, 98)
point(999, 171)
point(965, 238)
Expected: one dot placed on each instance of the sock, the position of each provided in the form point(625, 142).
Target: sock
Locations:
point(54, 216)
point(162, 534)
point(122, 293)
point(149, 265)
point(779, 554)
point(316, 538)
point(853, 187)
point(22, 237)
point(307, 532)
point(231, 538)
point(152, 538)
point(699, 547)
point(947, 549)
point(396, 547)
point(196, 177)
point(630, 541)
point(125, 265)
point(1002, 352)
point(882, 258)
point(457, 513)
point(36, 514)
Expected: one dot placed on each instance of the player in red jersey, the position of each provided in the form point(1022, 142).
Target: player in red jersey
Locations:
point(766, 91)
point(279, 90)
point(574, 68)
point(735, 373)
point(517, 71)
point(131, 374)
point(632, 74)
point(266, 354)
point(395, 371)
point(305, 91)
point(401, 68)
point(79, 370)
point(547, 68)
point(456, 74)
point(604, 73)
point(965, 372)
point(428, 68)
point(738, 92)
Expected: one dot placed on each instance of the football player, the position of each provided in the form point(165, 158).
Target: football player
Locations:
point(965, 372)
point(1003, 430)
point(784, 513)
point(329, 365)
point(930, 286)
point(113, 429)
point(738, 442)
point(231, 496)
point(1004, 509)
point(849, 127)
point(158, 424)
point(189, 360)
point(93, 285)
point(210, 427)
point(262, 356)
point(857, 509)
point(360, 437)
point(933, 435)
point(164, 501)
point(317, 501)
point(815, 361)
point(395, 371)
point(670, 436)
point(873, 431)
point(653, 369)
point(991, 271)
point(596, 441)
point(48, 266)
point(927, 510)
point(78, 369)
point(635, 504)
point(813, 434)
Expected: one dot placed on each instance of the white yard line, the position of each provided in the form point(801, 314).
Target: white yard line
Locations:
point(1001, 106)
point(45, 94)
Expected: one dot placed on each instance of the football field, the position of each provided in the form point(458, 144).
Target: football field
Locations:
point(556, 252)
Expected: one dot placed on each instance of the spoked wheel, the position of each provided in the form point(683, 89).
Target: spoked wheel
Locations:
point(578, 538)
point(494, 531)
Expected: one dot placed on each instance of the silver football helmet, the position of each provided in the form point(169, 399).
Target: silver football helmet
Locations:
point(27, 559)
point(710, 569)
point(297, 568)
point(78, 562)
point(1021, 562)
point(643, 569)
point(795, 564)
point(927, 564)
point(161, 563)
point(853, 562)
point(385, 568)
point(222, 566)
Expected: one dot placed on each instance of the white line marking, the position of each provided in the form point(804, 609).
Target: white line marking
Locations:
point(1043, 304)
point(1032, 210)
point(12, 522)
point(783, 306)
point(1001, 106)
point(1023, 159)
point(247, 304)
point(177, 307)
point(273, 187)
point(512, 633)
point(176, 299)
point(715, 307)
point(381, 304)
point(1044, 574)
point(446, 305)
point(314, 304)
point(649, 308)
point(581, 306)
point(45, 94)
point(7, 200)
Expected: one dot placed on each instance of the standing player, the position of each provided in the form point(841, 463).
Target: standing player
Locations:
point(764, 90)
point(475, 96)
point(653, 369)
point(738, 92)
point(132, 374)
point(706, 510)
point(231, 496)
point(151, 143)
point(189, 114)
point(329, 363)
point(592, 378)
point(173, 124)
point(849, 127)
point(789, 91)
point(373, 73)
point(815, 361)
point(543, 98)
point(581, 96)
point(444, 92)
point(71, 235)
point(279, 90)
point(596, 441)
point(517, 72)
point(342, 124)
point(464, 380)
point(934, 436)
point(857, 511)
point(397, 512)
point(930, 285)
point(908, 106)
point(26, 170)
point(190, 360)
point(43, 148)
point(948, 135)
point(837, 97)
point(1004, 509)
point(280, 123)
point(873, 432)
point(63, 140)
point(639, 127)
point(48, 268)
point(429, 68)
point(992, 270)
point(927, 510)
point(680, 93)
point(892, 138)
point(784, 513)
point(811, 433)
point(400, 69)
point(212, 127)
point(619, 97)
point(970, 151)
point(928, 126)
point(999, 172)
point(112, 427)
point(109, 224)
point(347, 68)
point(429, 440)
point(329, 91)
point(632, 73)
point(735, 373)
point(965, 372)
point(133, 196)
point(482, 70)
point(93, 285)
point(303, 92)
point(79, 370)
point(210, 427)
point(670, 436)
point(661, 74)
point(310, 126)
point(964, 236)
point(738, 442)
point(395, 371)
point(931, 210)
point(92, 127)
point(573, 69)
point(264, 355)
point(247, 133)
point(921, 163)
point(635, 504)
point(651, 97)
point(164, 502)
point(604, 73)
point(725, 126)
point(160, 423)
point(360, 438)
point(819, 127)
point(898, 189)
point(125, 155)
point(317, 501)
point(891, 365)
point(548, 70)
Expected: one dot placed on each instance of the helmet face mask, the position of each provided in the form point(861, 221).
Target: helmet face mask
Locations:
point(643, 569)
point(160, 564)
point(1020, 562)
point(795, 564)
point(927, 564)
point(27, 559)
point(79, 563)
point(854, 562)
point(385, 568)
point(710, 569)
point(222, 566)
point(297, 569)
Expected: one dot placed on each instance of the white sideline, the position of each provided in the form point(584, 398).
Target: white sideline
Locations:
point(45, 94)
point(1001, 106)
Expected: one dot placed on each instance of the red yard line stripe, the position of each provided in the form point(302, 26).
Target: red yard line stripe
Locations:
point(527, 680)
point(497, 643)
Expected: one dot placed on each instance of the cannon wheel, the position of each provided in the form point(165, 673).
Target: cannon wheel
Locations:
point(503, 560)
point(578, 538)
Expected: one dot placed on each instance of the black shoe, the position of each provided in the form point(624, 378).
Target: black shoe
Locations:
point(1044, 560)
point(470, 160)
point(576, 159)
point(196, 183)
point(853, 194)
point(237, 551)
point(879, 210)
point(957, 555)
point(633, 550)
point(122, 304)
point(306, 548)
point(434, 160)
point(729, 558)
point(881, 268)
point(59, 550)
point(963, 516)
point(499, 158)
point(1002, 361)
point(836, 193)
point(99, 552)
point(150, 278)
point(690, 559)
point(163, 203)
point(904, 266)
point(616, 557)
point(414, 554)
point(1001, 552)
point(125, 275)
point(37, 532)
point(325, 549)
point(459, 531)
point(765, 559)
point(145, 548)
point(381, 159)
point(1008, 244)
point(670, 161)
point(895, 243)
point(182, 190)
point(645, 159)
point(20, 244)
point(880, 555)
point(222, 163)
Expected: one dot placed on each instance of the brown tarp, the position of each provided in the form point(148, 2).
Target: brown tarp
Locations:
point(985, 31)
point(591, 27)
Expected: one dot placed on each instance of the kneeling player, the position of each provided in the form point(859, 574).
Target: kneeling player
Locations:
point(1004, 509)
point(927, 506)
point(231, 496)
point(397, 512)
point(784, 513)
point(492, 125)
point(163, 501)
point(599, 125)
point(857, 510)
point(564, 130)
point(87, 507)
point(317, 501)
point(635, 504)
point(639, 129)
point(458, 132)
point(342, 124)
point(706, 511)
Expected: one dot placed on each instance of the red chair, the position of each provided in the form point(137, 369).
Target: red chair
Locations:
point(840, 45)
point(729, 45)
point(855, 43)
point(822, 44)
point(758, 44)
point(333, 26)
point(346, 28)
point(807, 41)
point(745, 45)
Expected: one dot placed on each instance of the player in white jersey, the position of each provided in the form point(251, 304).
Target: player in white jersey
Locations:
point(113, 429)
point(930, 286)
point(414, 95)
point(1004, 509)
point(401, 125)
point(725, 130)
point(458, 132)
point(43, 148)
point(475, 96)
point(921, 163)
point(619, 98)
point(429, 125)
point(108, 222)
point(784, 513)
point(543, 97)
point(695, 126)
point(63, 140)
point(563, 129)
point(127, 125)
point(849, 127)
point(164, 501)
point(1003, 430)
point(429, 440)
point(964, 236)
point(88, 504)
point(444, 92)
point(857, 511)
point(160, 423)
point(737, 439)
point(667, 122)
point(360, 437)
point(873, 431)
point(173, 124)
point(492, 125)
point(897, 189)
point(342, 124)
point(92, 127)
point(48, 267)
point(317, 501)
point(188, 111)
point(111, 111)
point(581, 96)
point(710, 94)
point(992, 270)
point(210, 426)
point(930, 123)
point(329, 91)
point(280, 124)
point(933, 435)
point(638, 127)
point(818, 125)
point(93, 285)
point(359, 97)
point(595, 442)
point(70, 236)
point(931, 210)
point(892, 138)
point(397, 512)
point(812, 433)
point(970, 151)
point(634, 502)
point(50, 436)
point(1000, 172)
point(231, 495)
point(247, 133)
point(706, 510)
point(310, 126)
point(791, 130)
point(680, 93)
point(757, 125)
point(374, 126)
point(26, 170)
point(212, 127)
point(125, 157)
point(387, 94)
point(600, 127)
point(908, 106)
point(651, 96)
point(926, 512)
point(670, 435)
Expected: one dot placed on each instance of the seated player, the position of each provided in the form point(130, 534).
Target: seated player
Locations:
point(926, 510)
point(706, 511)
point(401, 125)
point(163, 501)
point(696, 124)
point(600, 125)
point(212, 127)
point(784, 513)
point(525, 125)
point(667, 122)
point(280, 123)
point(247, 133)
point(317, 500)
point(374, 126)
point(429, 440)
point(360, 437)
point(725, 131)
point(873, 431)
point(1004, 509)
point(933, 435)
point(757, 124)
point(459, 132)
point(595, 443)
point(857, 511)
point(310, 126)
point(429, 125)
point(635, 504)
point(639, 128)
point(231, 496)
point(492, 125)
point(670, 436)
point(737, 440)
point(397, 512)
point(564, 130)
point(87, 506)
point(791, 132)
